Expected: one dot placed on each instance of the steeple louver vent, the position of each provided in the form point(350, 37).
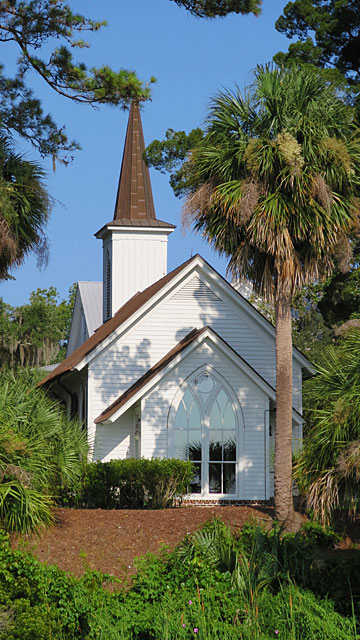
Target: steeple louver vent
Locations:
point(108, 288)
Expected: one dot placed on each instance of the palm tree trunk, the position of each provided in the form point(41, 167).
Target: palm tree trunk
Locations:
point(284, 509)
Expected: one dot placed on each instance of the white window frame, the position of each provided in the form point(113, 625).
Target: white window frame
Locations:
point(205, 431)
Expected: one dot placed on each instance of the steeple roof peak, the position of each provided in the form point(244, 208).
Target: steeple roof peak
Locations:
point(134, 200)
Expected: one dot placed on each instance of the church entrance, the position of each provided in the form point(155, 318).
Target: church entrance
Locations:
point(205, 431)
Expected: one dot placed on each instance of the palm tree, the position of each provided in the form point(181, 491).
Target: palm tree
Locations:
point(274, 183)
point(24, 209)
point(327, 470)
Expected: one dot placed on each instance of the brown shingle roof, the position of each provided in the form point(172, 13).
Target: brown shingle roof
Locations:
point(151, 373)
point(134, 198)
point(128, 309)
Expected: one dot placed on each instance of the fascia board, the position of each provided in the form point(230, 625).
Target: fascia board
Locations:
point(108, 231)
point(251, 373)
point(154, 381)
point(221, 346)
point(255, 315)
point(138, 314)
point(144, 230)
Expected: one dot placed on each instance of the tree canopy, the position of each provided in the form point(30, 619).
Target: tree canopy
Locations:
point(42, 452)
point(327, 469)
point(220, 8)
point(272, 186)
point(35, 334)
point(33, 26)
point(328, 33)
point(24, 210)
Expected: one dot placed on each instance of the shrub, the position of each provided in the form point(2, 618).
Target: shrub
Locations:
point(42, 453)
point(171, 595)
point(135, 483)
point(296, 614)
point(327, 469)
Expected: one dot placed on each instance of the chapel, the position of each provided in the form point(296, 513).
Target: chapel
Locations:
point(172, 365)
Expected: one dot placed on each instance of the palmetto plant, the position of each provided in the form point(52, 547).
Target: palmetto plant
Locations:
point(275, 182)
point(213, 544)
point(41, 453)
point(24, 208)
point(251, 568)
point(328, 468)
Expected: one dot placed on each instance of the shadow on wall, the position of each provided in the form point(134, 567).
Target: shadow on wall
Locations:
point(123, 364)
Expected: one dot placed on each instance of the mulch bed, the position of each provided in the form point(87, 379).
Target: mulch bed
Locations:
point(110, 540)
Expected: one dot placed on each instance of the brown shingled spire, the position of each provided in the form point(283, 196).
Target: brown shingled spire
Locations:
point(134, 200)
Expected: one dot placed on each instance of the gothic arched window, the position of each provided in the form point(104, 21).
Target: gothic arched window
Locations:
point(205, 432)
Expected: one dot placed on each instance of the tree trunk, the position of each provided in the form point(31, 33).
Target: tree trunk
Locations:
point(284, 508)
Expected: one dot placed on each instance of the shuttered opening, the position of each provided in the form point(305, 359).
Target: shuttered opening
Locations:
point(196, 289)
point(108, 288)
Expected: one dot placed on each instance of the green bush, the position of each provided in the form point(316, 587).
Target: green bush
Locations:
point(42, 453)
point(298, 615)
point(172, 594)
point(134, 483)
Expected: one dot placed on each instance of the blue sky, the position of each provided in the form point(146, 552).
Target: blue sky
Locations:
point(192, 59)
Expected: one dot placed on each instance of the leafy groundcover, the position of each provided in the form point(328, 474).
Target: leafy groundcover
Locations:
point(213, 586)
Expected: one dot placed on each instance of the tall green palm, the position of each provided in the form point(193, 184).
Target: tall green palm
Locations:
point(274, 181)
point(24, 208)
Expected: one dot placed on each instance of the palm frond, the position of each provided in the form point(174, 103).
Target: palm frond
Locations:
point(274, 178)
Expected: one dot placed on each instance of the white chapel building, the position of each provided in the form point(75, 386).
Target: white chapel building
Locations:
point(172, 365)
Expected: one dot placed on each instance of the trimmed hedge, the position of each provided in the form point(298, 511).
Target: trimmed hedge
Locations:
point(135, 483)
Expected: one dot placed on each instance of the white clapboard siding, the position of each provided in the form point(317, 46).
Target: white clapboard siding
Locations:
point(155, 415)
point(138, 258)
point(115, 441)
point(296, 444)
point(193, 304)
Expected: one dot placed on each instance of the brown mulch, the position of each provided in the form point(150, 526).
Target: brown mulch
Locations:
point(110, 540)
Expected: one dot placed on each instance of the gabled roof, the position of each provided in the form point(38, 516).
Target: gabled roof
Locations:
point(146, 381)
point(91, 298)
point(127, 310)
point(150, 374)
point(139, 300)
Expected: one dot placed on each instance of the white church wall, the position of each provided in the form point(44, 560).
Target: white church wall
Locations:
point(115, 441)
point(193, 304)
point(156, 405)
point(138, 258)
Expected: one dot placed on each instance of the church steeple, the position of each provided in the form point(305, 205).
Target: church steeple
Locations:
point(134, 200)
point(135, 241)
